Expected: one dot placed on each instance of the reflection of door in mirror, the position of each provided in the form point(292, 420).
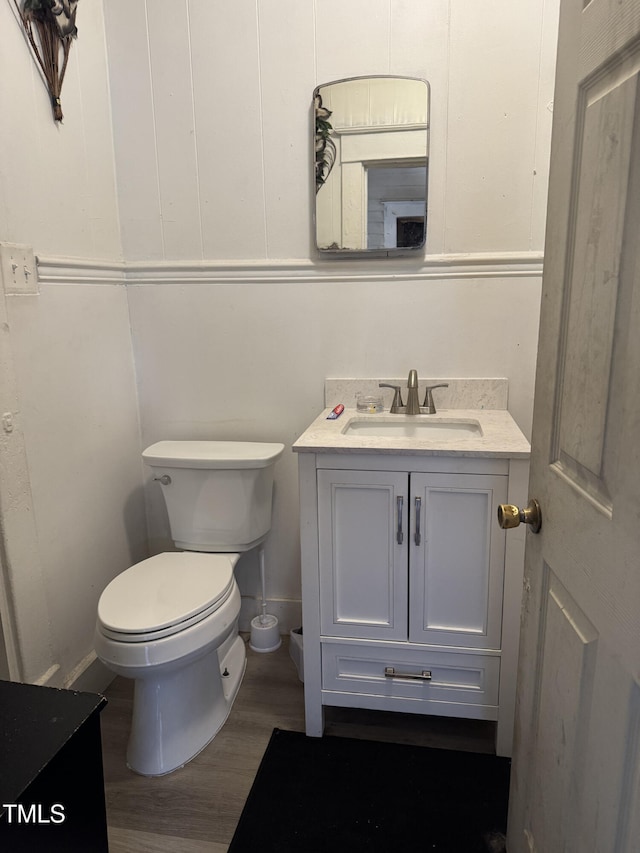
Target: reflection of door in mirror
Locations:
point(372, 191)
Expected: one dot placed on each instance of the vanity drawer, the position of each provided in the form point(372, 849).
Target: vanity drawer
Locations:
point(452, 677)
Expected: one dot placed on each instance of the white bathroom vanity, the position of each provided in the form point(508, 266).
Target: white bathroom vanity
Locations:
point(411, 592)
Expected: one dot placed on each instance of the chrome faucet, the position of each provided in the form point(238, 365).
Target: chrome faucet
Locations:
point(413, 404)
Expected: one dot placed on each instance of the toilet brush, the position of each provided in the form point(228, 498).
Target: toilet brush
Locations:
point(265, 634)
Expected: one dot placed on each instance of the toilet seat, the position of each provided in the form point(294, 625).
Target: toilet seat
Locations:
point(164, 595)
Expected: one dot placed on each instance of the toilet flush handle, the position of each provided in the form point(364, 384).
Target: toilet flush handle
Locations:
point(165, 479)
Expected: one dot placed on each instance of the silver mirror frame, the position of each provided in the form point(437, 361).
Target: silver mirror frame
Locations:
point(326, 146)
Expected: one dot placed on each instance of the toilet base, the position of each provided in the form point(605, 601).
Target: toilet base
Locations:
point(178, 713)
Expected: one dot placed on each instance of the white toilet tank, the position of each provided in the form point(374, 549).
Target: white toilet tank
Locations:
point(218, 493)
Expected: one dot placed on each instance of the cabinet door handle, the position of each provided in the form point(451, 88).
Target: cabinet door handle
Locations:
point(390, 672)
point(418, 506)
point(399, 533)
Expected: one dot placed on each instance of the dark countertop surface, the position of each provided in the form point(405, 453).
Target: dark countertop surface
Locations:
point(35, 723)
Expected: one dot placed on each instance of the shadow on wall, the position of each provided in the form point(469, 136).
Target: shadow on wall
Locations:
point(135, 522)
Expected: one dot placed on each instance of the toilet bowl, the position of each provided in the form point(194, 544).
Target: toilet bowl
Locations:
point(166, 622)
point(171, 622)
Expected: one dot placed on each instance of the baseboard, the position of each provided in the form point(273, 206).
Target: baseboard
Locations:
point(89, 676)
point(50, 678)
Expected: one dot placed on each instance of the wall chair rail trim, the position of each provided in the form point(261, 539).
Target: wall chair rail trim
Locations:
point(53, 270)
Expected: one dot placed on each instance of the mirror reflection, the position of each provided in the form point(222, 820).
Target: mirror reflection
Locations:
point(371, 141)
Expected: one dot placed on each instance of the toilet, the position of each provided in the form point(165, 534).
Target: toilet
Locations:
point(171, 622)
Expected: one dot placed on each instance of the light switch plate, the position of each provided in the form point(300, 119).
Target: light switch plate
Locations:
point(18, 269)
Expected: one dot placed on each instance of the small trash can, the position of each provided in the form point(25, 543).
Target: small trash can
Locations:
point(295, 650)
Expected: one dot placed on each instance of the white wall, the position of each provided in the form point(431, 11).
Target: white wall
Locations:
point(236, 321)
point(212, 120)
point(73, 515)
point(58, 184)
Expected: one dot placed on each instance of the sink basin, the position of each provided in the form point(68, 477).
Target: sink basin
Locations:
point(407, 426)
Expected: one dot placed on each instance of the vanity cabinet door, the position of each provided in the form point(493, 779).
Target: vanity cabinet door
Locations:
point(362, 550)
point(456, 561)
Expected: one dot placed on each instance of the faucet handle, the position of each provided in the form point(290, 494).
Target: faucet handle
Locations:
point(397, 396)
point(428, 397)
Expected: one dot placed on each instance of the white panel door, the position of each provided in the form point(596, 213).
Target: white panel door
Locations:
point(576, 771)
point(456, 560)
point(363, 553)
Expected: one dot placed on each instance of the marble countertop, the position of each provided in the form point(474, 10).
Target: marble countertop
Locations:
point(500, 436)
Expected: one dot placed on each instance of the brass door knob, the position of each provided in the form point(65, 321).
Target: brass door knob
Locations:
point(511, 516)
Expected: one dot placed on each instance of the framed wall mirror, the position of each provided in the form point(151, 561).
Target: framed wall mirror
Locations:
point(371, 142)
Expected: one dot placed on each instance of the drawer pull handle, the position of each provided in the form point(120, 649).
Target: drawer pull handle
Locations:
point(399, 533)
point(418, 508)
point(390, 672)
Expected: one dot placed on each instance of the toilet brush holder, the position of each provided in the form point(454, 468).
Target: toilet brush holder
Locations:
point(265, 634)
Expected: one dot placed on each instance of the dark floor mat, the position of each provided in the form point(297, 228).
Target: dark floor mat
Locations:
point(332, 794)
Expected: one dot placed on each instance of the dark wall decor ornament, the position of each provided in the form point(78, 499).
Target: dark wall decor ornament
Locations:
point(324, 144)
point(50, 26)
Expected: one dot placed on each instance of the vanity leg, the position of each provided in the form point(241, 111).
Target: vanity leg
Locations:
point(311, 649)
point(314, 719)
point(313, 707)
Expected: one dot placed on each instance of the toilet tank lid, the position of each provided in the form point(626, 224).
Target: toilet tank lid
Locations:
point(212, 454)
